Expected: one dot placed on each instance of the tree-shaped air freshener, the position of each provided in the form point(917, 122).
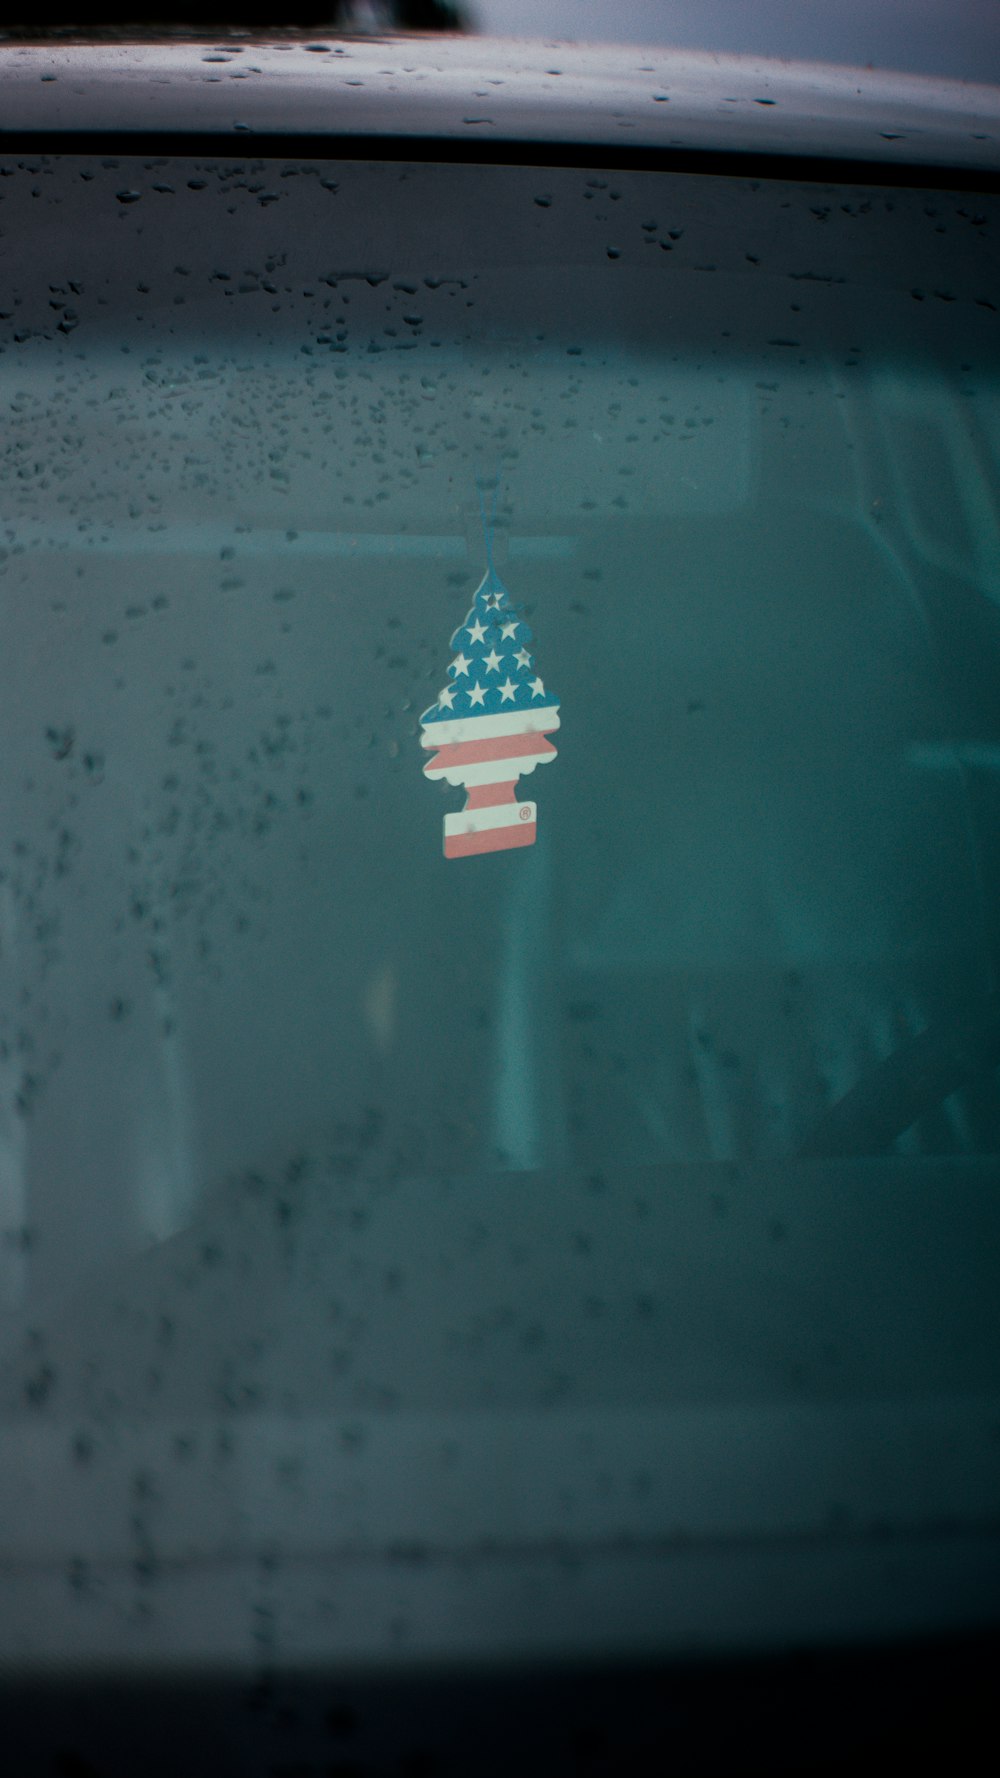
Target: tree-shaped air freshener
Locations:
point(490, 723)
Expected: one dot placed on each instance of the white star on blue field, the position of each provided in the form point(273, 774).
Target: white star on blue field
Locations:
point(493, 670)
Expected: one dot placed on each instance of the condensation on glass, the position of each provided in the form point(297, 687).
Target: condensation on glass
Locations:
point(636, 1186)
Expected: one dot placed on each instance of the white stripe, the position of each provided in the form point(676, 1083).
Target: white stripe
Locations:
point(482, 820)
point(484, 728)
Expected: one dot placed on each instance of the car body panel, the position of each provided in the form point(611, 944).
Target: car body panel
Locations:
point(478, 94)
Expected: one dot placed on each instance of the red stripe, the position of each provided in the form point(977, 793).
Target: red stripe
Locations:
point(494, 839)
point(463, 753)
point(485, 796)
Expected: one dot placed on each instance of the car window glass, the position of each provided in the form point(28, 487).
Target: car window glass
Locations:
point(731, 446)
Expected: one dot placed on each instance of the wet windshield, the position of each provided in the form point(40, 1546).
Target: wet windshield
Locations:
point(664, 508)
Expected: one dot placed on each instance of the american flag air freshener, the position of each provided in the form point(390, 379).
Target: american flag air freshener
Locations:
point(489, 725)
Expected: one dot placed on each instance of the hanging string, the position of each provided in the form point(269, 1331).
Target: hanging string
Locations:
point(489, 524)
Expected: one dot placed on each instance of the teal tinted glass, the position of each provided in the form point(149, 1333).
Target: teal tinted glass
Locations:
point(691, 1102)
